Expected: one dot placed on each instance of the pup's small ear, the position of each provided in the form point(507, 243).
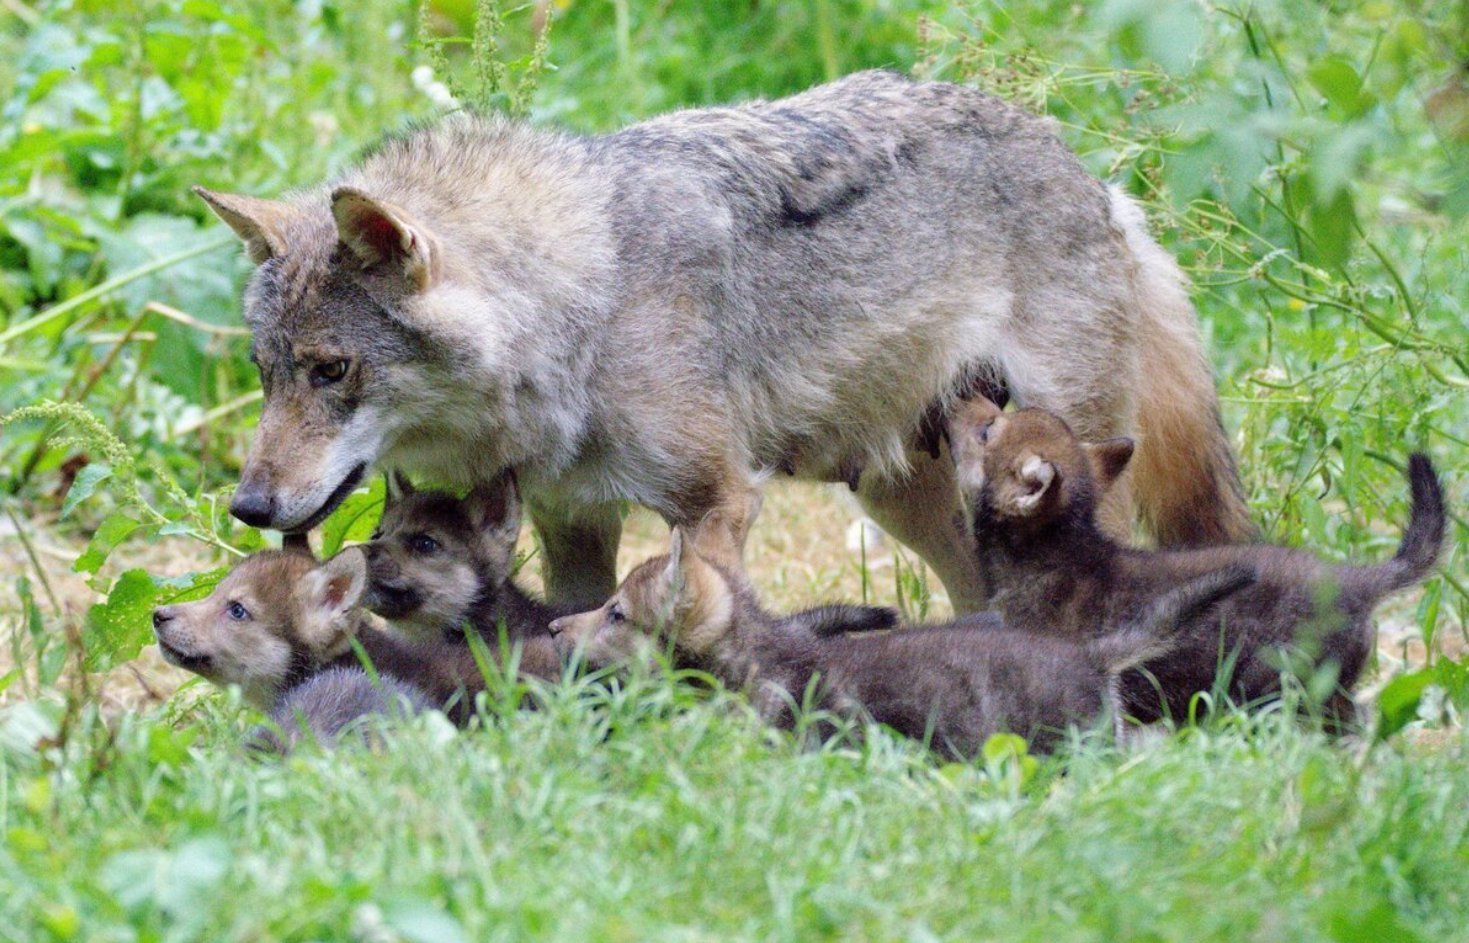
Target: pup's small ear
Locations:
point(1109, 458)
point(1037, 477)
point(494, 507)
point(384, 238)
point(328, 594)
point(399, 486)
point(260, 224)
point(680, 561)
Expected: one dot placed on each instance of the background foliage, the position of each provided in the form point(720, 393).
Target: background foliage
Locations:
point(1308, 164)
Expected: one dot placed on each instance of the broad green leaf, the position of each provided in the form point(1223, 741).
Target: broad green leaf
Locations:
point(111, 532)
point(354, 520)
point(85, 485)
point(116, 630)
point(1397, 705)
point(1340, 85)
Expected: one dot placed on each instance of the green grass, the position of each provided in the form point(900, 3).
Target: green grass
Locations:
point(652, 813)
point(1301, 160)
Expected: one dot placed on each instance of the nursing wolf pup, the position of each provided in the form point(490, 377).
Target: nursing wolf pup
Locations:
point(1034, 488)
point(669, 313)
point(952, 685)
point(279, 620)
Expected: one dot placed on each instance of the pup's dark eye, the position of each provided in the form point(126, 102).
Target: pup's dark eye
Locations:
point(329, 372)
point(615, 614)
point(376, 536)
point(237, 612)
point(422, 543)
point(984, 431)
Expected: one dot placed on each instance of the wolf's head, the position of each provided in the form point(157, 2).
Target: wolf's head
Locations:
point(336, 307)
point(679, 600)
point(435, 556)
point(277, 614)
point(1026, 468)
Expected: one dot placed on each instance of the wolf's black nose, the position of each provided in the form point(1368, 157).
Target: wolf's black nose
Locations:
point(253, 505)
point(159, 617)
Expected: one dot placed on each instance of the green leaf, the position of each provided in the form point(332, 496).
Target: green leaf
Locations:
point(354, 520)
point(1397, 705)
point(117, 629)
point(105, 539)
point(85, 485)
point(1340, 85)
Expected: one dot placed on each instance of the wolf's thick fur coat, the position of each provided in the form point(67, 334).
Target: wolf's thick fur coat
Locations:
point(668, 313)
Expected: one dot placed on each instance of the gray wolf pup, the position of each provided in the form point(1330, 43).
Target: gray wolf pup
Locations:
point(439, 564)
point(279, 619)
point(670, 313)
point(1034, 487)
point(952, 685)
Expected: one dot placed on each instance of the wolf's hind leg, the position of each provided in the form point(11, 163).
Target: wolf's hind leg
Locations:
point(923, 512)
point(580, 551)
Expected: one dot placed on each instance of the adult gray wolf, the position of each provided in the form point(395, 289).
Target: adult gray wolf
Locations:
point(671, 312)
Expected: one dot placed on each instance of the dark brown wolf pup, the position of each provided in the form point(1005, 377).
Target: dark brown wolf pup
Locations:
point(1034, 487)
point(951, 686)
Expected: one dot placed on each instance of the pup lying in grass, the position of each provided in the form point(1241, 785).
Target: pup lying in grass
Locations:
point(1033, 489)
point(439, 564)
point(280, 626)
point(952, 686)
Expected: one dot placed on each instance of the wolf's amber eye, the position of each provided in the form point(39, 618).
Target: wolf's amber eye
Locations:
point(615, 614)
point(422, 543)
point(237, 612)
point(329, 372)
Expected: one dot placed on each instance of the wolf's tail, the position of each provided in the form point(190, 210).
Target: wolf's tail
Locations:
point(1422, 541)
point(1154, 631)
point(1184, 476)
point(840, 618)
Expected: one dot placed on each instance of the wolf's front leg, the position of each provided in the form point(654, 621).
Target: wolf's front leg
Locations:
point(580, 551)
point(923, 512)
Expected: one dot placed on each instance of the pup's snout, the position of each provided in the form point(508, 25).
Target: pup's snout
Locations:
point(253, 503)
point(161, 616)
point(557, 626)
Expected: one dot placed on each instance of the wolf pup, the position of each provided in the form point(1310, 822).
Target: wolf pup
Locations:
point(952, 685)
point(1034, 487)
point(280, 627)
point(670, 313)
point(438, 564)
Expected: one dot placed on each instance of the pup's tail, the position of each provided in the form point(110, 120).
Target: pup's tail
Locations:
point(1184, 476)
point(1422, 541)
point(1154, 632)
point(839, 619)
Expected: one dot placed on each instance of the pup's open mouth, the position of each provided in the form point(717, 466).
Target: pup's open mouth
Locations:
point(391, 602)
point(338, 495)
point(181, 659)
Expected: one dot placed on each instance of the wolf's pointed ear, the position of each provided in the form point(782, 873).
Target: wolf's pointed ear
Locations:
point(680, 560)
point(328, 595)
point(260, 224)
point(383, 238)
point(398, 487)
point(494, 507)
point(1037, 478)
point(1108, 459)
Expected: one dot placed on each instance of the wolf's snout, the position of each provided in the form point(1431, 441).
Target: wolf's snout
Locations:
point(253, 504)
point(161, 615)
point(557, 626)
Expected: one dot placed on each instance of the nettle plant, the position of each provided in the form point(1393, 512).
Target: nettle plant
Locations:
point(138, 502)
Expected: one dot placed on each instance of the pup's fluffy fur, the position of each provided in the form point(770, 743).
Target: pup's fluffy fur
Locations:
point(1034, 488)
point(279, 620)
point(952, 686)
